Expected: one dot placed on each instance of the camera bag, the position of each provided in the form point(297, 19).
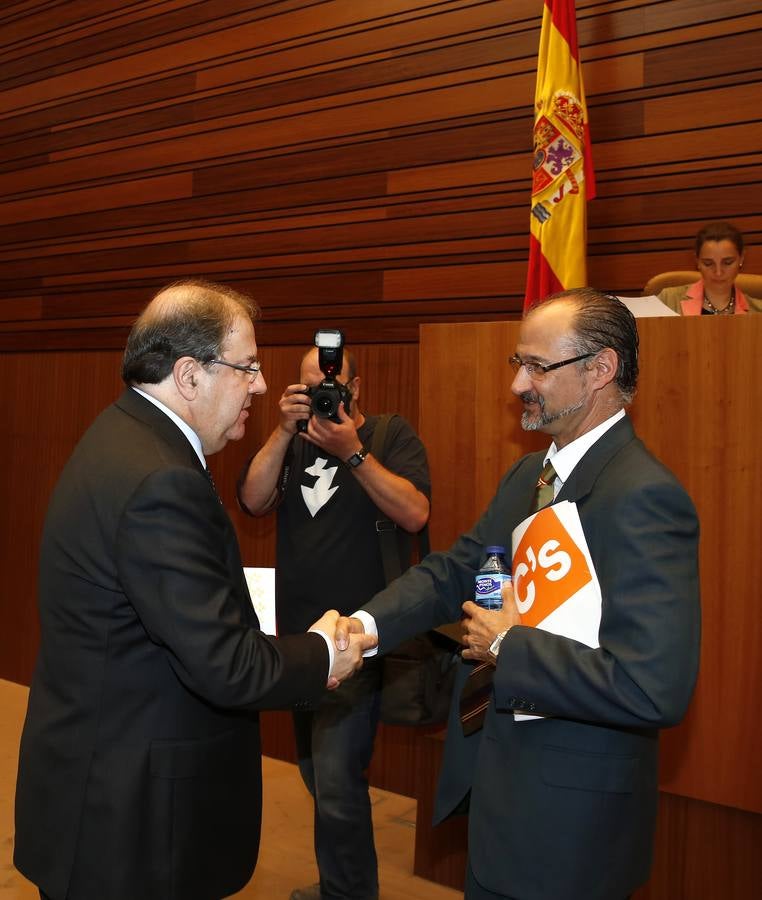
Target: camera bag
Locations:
point(418, 675)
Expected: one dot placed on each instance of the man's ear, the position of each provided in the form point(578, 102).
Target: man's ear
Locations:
point(604, 367)
point(185, 373)
point(353, 387)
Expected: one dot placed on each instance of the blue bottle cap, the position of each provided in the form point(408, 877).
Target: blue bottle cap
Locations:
point(495, 548)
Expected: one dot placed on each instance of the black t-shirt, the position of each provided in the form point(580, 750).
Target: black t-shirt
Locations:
point(328, 554)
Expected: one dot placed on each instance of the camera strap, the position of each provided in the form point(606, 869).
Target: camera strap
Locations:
point(285, 471)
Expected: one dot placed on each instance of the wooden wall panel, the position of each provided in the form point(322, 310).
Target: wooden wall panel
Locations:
point(280, 144)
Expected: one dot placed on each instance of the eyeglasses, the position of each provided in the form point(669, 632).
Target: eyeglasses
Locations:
point(252, 369)
point(537, 370)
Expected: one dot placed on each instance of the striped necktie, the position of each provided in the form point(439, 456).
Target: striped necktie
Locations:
point(475, 697)
point(544, 491)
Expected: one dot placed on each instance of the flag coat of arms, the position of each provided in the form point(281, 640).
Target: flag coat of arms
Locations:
point(562, 169)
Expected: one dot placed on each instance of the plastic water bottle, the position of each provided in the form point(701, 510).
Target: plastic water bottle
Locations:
point(491, 578)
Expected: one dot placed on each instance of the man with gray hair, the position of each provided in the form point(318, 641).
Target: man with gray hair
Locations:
point(562, 777)
point(139, 771)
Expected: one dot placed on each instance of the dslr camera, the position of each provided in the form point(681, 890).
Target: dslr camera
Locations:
point(326, 397)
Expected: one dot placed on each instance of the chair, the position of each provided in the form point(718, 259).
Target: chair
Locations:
point(750, 284)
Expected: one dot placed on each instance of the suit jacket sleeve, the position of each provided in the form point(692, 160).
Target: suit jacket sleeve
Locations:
point(433, 592)
point(178, 562)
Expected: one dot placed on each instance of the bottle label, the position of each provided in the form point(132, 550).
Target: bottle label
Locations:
point(489, 590)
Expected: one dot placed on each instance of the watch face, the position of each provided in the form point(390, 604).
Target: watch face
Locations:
point(356, 458)
point(495, 645)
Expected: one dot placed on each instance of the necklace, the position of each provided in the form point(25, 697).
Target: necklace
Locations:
point(729, 309)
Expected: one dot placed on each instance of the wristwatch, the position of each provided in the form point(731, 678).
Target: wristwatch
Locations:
point(494, 647)
point(357, 459)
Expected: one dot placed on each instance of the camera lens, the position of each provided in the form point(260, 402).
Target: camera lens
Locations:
point(324, 405)
point(325, 401)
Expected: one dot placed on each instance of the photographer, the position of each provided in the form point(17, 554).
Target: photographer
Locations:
point(330, 493)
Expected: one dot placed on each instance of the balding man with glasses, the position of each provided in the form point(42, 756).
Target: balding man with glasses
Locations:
point(139, 773)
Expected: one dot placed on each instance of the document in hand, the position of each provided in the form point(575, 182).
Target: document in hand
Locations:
point(554, 580)
point(261, 584)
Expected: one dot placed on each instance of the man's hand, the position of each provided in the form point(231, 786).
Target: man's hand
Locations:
point(340, 439)
point(294, 406)
point(347, 662)
point(347, 657)
point(346, 626)
point(482, 626)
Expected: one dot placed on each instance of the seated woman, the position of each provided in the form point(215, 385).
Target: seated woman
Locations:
point(719, 259)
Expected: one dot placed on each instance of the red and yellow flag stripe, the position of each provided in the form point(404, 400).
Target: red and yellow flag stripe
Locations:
point(563, 179)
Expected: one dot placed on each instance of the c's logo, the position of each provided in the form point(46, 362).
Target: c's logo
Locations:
point(548, 568)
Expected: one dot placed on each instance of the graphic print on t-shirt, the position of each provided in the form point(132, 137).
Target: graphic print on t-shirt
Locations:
point(320, 493)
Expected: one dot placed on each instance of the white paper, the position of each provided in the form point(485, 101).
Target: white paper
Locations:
point(644, 307)
point(535, 564)
point(261, 584)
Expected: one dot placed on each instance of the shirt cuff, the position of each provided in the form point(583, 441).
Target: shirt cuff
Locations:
point(370, 628)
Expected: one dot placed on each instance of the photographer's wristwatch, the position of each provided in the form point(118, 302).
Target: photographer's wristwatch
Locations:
point(357, 459)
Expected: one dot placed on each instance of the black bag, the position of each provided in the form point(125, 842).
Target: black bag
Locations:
point(418, 681)
point(418, 675)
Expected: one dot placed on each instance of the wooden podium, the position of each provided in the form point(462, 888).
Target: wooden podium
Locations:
point(699, 409)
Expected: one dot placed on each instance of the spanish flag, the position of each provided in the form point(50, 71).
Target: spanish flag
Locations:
point(563, 179)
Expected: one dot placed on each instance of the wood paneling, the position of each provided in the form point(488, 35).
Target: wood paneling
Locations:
point(281, 144)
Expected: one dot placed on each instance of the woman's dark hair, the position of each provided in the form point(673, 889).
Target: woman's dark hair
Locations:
point(187, 318)
point(719, 231)
point(603, 321)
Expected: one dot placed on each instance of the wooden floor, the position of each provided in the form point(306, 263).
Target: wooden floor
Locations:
point(286, 860)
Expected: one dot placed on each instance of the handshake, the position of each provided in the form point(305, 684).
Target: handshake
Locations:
point(348, 648)
point(480, 626)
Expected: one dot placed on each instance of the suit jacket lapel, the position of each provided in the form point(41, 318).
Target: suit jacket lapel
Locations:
point(139, 408)
point(583, 476)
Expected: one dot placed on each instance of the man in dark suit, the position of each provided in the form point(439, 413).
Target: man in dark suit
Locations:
point(563, 807)
point(139, 772)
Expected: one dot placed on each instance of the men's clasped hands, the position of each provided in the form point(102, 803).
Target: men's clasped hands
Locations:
point(348, 658)
point(480, 627)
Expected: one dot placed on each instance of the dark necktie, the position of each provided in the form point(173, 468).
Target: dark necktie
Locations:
point(477, 691)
